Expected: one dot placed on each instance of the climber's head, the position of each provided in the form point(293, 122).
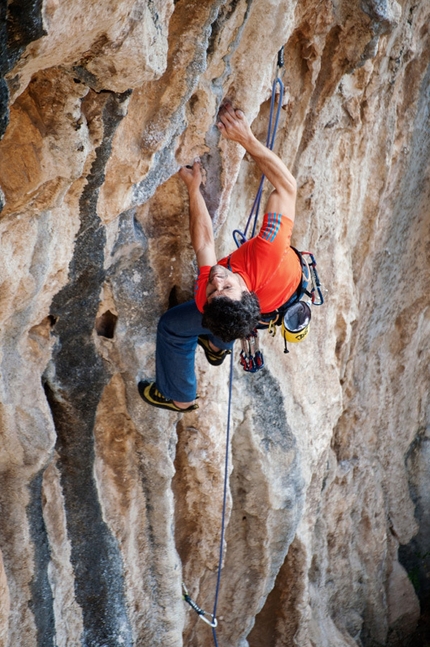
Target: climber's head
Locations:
point(231, 310)
point(231, 319)
point(224, 283)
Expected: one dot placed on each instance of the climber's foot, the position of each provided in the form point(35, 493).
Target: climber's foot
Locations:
point(214, 355)
point(149, 392)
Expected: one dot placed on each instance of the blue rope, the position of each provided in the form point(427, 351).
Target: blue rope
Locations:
point(224, 501)
point(270, 140)
point(238, 236)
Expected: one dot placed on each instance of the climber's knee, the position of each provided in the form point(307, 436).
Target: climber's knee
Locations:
point(165, 323)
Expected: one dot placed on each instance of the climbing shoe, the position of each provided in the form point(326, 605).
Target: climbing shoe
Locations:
point(149, 392)
point(214, 357)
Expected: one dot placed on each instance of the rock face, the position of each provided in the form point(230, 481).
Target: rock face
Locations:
point(109, 505)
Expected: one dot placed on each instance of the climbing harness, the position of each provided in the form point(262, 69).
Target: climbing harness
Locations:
point(294, 316)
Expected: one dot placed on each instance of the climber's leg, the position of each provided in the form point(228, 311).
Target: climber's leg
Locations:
point(177, 334)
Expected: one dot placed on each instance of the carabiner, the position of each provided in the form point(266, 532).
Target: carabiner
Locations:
point(272, 328)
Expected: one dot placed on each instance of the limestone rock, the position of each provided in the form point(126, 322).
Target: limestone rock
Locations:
point(109, 505)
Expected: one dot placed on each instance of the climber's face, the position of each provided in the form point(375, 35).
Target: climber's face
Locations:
point(224, 283)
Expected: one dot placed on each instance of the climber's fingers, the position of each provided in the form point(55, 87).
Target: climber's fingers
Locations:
point(191, 174)
point(229, 114)
point(232, 123)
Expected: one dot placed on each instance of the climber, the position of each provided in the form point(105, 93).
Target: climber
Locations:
point(231, 295)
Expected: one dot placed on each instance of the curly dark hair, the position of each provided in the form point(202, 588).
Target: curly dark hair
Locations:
point(229, 319)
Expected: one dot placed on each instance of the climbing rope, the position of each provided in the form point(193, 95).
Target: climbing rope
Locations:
point(202, 614)
point(251, 356)
point(272, 130)
point(224, 499)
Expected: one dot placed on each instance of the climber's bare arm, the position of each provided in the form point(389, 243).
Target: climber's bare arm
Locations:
point(234, 126)
point(201, 230)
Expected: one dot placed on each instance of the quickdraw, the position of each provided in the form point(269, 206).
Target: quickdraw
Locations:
point(201, 613)
point(251, 357)
point(315, 292)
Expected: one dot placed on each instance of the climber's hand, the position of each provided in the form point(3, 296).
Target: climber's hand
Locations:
point(191, 175)
point(234, 125)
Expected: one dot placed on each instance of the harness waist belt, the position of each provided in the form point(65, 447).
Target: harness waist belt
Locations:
point(269, 316)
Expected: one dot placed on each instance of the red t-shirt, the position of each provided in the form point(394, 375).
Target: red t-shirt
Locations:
point(267, 263)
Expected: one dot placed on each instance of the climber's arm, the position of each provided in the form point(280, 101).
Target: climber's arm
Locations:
point(201, 230)
point(234, 126)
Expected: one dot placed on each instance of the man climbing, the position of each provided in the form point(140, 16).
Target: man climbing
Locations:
point(231, 295)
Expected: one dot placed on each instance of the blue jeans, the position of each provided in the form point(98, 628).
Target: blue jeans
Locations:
point(177, 334)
